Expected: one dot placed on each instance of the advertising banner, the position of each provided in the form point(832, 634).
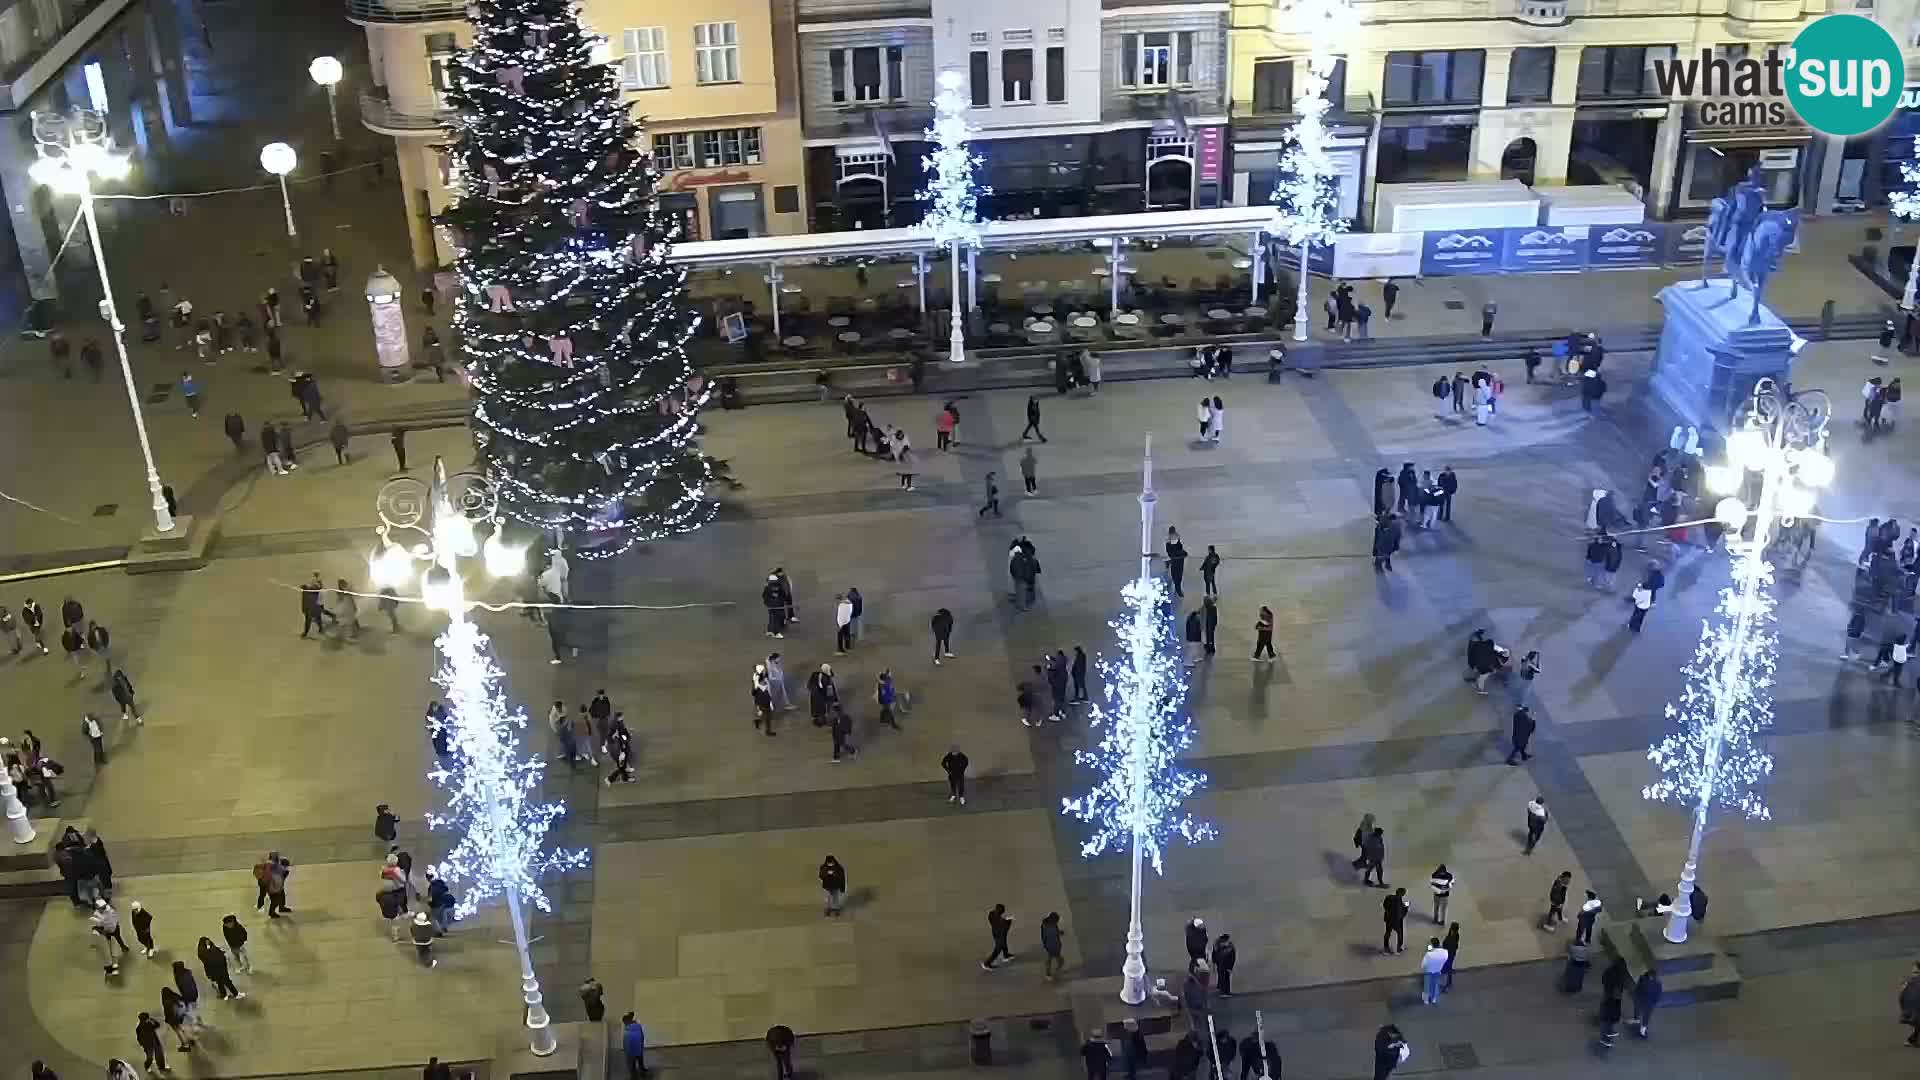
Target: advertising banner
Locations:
point(1685, 242)
point(1460, 251)
point(1620, 246)
point(1544, 247)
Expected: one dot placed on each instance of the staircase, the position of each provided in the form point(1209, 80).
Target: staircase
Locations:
point(1697, 970)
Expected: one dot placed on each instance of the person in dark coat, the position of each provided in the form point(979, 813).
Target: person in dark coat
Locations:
point(186, 984)
point(1098, 1057)
point(1409, 484)
point(1176, 560)
point(1196, 942)
point(1057, 684)
point(1386, 541)
point(1646, 998)
point(236, 429)
point(1209, 571)
point(955, 766)
point(1209, 622)
point(1523, 725)
point(1078, 670)
point(142, 920)
point(1000, 924)
point(1225, 955)
point(399, 440)
point(1134, 1051)
point(1224, 1046)
point(942, 634)
point(1186, 1057)
point(1373, 849)
point(593, 997)
point(213, 960)
point(776, 604)
point(339, 437)
point(1910, 1004)
point(1449, 486)
point(1388, 1047)
point(1393, 912)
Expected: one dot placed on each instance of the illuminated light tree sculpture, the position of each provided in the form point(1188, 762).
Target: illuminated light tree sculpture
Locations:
point(953, 215)
point(1905, 203)
point(490, 785)
point(573, 324)
point(1307, 191)
point(1141, 788)
point(1713, 758)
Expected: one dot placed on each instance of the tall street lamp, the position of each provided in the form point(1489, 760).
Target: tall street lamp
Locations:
point(488, 786)
point(327, 72)
point(74, 151)
point(279, 159)
point(1779, 442)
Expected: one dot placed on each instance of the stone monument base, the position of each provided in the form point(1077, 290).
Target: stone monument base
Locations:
point(1712, 352)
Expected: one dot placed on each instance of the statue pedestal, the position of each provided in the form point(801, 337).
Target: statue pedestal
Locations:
point(1709, 357)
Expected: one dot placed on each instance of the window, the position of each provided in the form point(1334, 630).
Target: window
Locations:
point(645, 65)
point(1273, 86)
point(1161, 58)
point(716, 52)
point(1056, 74)
point(1620, 71)
point(672, 152)
point(1530, 76)
point(977, 74)
point(1016, 37)
point(1433, 78)
point(707, 149)
point(978, 37)
point(1057, 33)
point(1016, 76)
point(867, 74)
point(440, 52)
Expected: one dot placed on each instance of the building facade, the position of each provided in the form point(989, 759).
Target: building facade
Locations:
point(714, 83)
point(1549, 92)
point(1081, 106)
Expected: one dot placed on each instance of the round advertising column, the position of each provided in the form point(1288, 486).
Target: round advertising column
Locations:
point(389, 326)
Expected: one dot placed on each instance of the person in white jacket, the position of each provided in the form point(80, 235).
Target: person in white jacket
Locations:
point(843, 619)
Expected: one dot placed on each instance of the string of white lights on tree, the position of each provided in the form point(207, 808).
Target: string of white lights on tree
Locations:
point(573, 325)
point(952, 196)
point(1307, 191)
point(1137, 800)
point(490, 787)
point(1905, 203)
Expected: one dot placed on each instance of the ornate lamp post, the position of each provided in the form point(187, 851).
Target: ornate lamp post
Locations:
point(326, 71)
point(74, 151)
point(279, 159)
point(499, 850)
point(1780, 440)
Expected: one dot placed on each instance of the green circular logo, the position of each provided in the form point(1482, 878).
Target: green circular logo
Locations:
point(1845, 75)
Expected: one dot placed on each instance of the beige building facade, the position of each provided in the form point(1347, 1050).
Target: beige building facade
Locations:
point(1551, 92)
point(714, 83)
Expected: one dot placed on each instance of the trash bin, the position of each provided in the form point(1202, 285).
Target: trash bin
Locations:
point(1575, 975)
point(980, 1034)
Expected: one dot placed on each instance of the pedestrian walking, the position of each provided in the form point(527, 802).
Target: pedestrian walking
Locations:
point(339, 437)
point(954, 764)
point(1096, 1054)
point(1389, 1050)
point(777, 683)
point(1523, 726)
point(96, 735)
point(843, 620)
point(36, 620)
point(1536, 822)
point(1529, 671)
point(1614, 983)
point(776, 605)
point(619, 750)
point(147, 1034)
point(1432, 963)
point(422, 934)
point(174, 1010)
point(1488, 311)
point(993, 499)
point(142, 920)
point(1647, 991)
point(399, 440)
point(780, 1045)
point(11, 629)
point(74, 644)
point(883, 696)
point(1209, 623)
point(633, 1043)
point(1459, 391)
point(1393, 911)
point(999, 924)
point(105, 922)
point(1176, 560)
point(1033, 420)
point(236, 938)
point(1057, 684)
point(841, 729)
point(593, 997)
point(1386, 541)
point(1209, 571)
point(1451, 943)
point(1583, 922)
point(100, 642)
point(903, 455)
point(1263, 634)
point(1373, 849)
point(1078, 669)
point(347, 607)
point(1196, 931)
point(313, 613)
point(1028, 468)
point(1196, 995)
point(1557, 901)
point(189, 990)
point(762, 700)
point(1224, 956)
point(123, 696)
point(213, 960)
point(1389, 295)
point(942, 635)
point(1050, 943)
point(1442, 884)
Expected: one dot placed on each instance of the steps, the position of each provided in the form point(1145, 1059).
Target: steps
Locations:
point(27, 870)
point(1694, 971)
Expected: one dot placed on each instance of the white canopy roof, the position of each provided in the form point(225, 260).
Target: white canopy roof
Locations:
point(993, 234)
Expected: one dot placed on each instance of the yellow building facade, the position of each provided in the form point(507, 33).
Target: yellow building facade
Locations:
point(714, 83)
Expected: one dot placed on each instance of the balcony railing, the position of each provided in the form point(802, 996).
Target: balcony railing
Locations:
point(907, 123)
point(379, 115)
point(1542, 12)
point(406, 11)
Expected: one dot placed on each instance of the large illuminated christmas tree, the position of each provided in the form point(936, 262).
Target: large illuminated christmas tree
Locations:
point(573, 324)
